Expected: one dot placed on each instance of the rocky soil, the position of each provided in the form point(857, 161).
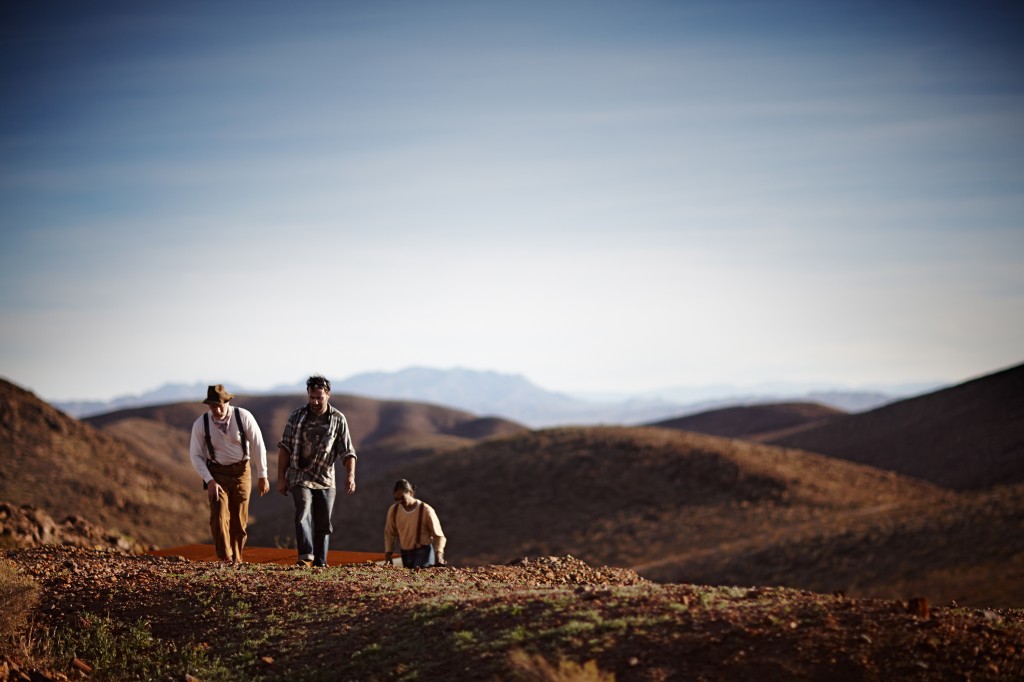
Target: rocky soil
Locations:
point(29, 526)
point(211, 621)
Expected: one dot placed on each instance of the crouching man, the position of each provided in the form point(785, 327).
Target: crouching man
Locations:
point(415, 525)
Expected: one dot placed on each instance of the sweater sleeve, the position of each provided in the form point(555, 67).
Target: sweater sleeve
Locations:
point(433, 527)
point(390, 532)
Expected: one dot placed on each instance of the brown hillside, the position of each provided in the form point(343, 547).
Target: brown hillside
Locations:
point(685, 507)
point(622, 496)
point(160, 443)
point(967, 437)
point(753, 422)
point(66, 468)
point(966, 548)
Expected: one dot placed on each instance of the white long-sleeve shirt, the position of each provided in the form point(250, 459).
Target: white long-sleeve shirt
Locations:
point(228, 446)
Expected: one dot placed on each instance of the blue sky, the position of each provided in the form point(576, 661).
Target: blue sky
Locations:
point(602, 196)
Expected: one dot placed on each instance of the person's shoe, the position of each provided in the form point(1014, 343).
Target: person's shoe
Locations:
point(305, 563)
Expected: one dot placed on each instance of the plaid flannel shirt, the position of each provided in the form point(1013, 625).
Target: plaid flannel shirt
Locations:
point(337, 442)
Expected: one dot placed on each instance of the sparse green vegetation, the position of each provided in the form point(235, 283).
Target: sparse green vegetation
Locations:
point(117, 650)
point(463, 639)
point(144, 618)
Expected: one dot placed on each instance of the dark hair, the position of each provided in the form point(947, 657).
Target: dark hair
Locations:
point(404, 485)
point(318, 381)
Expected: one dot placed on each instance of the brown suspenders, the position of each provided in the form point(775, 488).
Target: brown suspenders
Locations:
point(419, 523)
point(209, 443)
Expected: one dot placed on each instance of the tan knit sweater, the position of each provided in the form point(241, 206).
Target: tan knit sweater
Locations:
point(401, 525)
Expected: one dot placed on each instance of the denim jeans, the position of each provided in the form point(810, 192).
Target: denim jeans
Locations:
point(313, 522)
point(421, 557)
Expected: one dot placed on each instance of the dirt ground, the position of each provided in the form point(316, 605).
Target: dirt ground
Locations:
point(370, 622)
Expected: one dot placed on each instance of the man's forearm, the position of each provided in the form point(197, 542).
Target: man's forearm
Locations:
point(282, 463)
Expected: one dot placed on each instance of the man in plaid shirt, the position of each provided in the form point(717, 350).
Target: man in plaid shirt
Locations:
point(315, 437)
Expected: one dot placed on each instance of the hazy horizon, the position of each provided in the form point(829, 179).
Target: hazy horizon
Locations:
point(604, 197)
point(700, 392)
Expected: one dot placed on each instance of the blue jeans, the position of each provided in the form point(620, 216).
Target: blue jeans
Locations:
point(313, 522)
point(421, 557)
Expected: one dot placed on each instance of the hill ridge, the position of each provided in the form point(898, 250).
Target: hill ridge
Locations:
point(754, 422)
point(965, 437)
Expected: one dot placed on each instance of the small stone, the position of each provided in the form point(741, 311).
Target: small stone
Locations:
point(918, 606)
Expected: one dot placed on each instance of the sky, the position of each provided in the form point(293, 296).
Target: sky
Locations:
point(600, 196)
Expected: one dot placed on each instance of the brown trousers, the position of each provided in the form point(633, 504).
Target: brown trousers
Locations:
point(229, 515)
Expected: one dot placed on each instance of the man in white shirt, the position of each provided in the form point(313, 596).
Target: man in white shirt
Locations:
point(223, 442)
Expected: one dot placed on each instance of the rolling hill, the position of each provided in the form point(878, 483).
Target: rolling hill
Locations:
point(967, 437)
point(685, 507)
point(753, 422)
point(68, 468)
point(966, 549)
point(673, 505)
point(375, 424)
point(628, 495)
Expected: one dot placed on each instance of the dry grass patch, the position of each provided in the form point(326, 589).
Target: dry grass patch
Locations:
point(19, 595)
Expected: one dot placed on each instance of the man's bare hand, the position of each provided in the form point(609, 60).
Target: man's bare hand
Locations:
point(263, 486)
point(213, 490)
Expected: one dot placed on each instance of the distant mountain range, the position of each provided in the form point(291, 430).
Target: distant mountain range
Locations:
point(512, 396)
